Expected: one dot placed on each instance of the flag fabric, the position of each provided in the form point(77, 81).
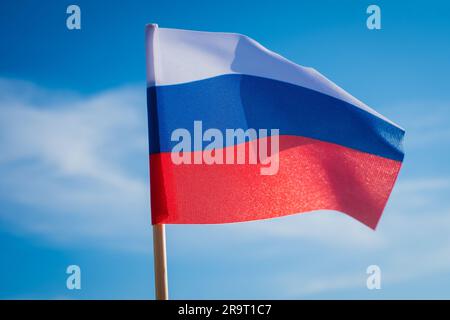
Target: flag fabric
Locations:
point(334, 152)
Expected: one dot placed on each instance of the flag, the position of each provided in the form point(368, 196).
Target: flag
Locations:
point(239, 133)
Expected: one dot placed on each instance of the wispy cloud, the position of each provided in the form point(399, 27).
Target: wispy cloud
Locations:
point(412, 244)
point(79, 163)
point(426, 123)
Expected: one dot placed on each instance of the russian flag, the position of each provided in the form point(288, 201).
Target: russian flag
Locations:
point(334, 152)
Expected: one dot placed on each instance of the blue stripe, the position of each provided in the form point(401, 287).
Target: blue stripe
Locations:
point(243, 101)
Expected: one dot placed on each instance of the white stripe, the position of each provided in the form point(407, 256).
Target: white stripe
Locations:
point(183, 56)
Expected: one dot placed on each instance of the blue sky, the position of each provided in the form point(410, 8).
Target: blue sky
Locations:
point(74, 171)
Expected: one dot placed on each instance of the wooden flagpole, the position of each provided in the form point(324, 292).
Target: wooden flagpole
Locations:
point(159, 232)
point(160, 261)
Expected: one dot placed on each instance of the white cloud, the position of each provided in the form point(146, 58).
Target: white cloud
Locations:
point(425, 123)
point(412, 244)
point(73, 162)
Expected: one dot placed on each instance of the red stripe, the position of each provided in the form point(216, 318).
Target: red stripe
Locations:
point(312, 175)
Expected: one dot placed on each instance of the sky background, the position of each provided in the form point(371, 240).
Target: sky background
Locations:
point(74, 154)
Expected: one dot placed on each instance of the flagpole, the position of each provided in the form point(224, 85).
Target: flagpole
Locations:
point(159, 232)
point(160, 262)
